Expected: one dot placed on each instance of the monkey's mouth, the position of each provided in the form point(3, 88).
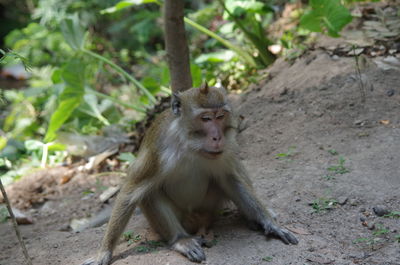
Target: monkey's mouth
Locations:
point(211, 154)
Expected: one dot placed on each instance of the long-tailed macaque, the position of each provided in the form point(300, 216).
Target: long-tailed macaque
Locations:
point(187, 167)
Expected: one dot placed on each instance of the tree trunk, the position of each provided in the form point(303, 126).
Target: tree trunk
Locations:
point(176, 46)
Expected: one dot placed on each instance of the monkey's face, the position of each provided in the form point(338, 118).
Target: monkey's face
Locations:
point(210, 131)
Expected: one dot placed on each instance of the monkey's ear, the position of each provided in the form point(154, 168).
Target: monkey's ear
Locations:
point(176, 104)
point(204, 88)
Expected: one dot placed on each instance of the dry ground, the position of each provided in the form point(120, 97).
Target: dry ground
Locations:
point(298, 123)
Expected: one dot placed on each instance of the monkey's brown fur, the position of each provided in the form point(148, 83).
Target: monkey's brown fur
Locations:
point(187, 167)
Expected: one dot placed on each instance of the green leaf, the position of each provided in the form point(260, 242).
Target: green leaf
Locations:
point(124, 4)
point(215, 57)
point(3, 142)
point(33, 145)
point(128, 157)
point(73, 32)
point(56, 147)
point(56, 76)
point(93, 109)
point(196, 75)
point(73, 75)
point(326, 15)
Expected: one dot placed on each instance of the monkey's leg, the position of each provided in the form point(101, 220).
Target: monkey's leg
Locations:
point(240, 192)
point(164, 218)
point(122, 211)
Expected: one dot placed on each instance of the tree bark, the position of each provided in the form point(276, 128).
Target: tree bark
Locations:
point(176, 46)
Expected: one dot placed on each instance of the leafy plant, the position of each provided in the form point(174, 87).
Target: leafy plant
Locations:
point(130, 237)
point(323, 204)
point(267, 259)
point(339, 168)
point(393, 214)
point(333, 152)
point(289, 153)
point(381, 230)
point(3, 214)
point(248, 17)
point(148, 246)
point(328, 16)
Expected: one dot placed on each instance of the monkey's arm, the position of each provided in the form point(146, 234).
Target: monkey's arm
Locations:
point(238, 189)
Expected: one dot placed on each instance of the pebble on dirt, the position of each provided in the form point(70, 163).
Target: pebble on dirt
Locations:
point(380, 210)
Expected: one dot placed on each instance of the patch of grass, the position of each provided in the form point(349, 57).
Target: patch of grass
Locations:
point(87, 192)
point(149, 246)
point(333, 152)
point(323, 204)
point(381, 230)
point(393, 214)
point(131, 237)
point(3, 214)
point(267, 259)
point(380, 235)
point(288, 154)
point(339, 168)
point(328, 177)
point(366, 240)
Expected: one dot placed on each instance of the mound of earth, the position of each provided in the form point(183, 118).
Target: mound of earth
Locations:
point(323, 152)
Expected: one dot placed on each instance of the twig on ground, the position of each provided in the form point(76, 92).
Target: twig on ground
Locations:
point(15, 225)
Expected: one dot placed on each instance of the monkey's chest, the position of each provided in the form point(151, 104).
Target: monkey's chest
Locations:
point(187, 190)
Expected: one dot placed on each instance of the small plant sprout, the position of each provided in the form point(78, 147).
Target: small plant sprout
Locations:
point(339, 168)
point(393, 214)
point(289, 153)
point(267, 259)
point(323, 204)
point(381, 230)
point(333, 152)
point(130, 237)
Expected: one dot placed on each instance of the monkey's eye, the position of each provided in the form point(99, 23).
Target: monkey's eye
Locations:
point(220, 117)
point(206, 118)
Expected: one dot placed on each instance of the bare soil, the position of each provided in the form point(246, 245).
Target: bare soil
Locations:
point(298, 125)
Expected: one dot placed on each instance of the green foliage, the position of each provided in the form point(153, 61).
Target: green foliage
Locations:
point(267, 259)
point(38, 45)
point(130, 237)
point(339, 168)
point(328, 16)
point(393, 214)
point(73, 74)
point(323, 204)
point(127, 157)
point(80, 56)
point(251, 17)
point(73, 33)
point(288, 154)
point(3, 214)
point(149, 246)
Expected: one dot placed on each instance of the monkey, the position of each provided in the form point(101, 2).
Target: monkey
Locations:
point(186, 169)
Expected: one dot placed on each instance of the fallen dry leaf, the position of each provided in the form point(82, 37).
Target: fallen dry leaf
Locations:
point(384, 122)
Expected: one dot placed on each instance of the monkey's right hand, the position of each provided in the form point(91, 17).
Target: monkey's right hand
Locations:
point(103, 258)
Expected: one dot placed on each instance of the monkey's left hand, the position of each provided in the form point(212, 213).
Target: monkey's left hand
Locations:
point(283, 234)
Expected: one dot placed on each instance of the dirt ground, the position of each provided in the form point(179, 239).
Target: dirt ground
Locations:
point(318, 155)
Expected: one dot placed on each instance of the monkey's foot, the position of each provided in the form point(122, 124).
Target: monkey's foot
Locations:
point(283, 234)
point(191, 248)
point(103, 258)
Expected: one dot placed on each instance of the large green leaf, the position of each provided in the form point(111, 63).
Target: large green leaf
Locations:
point(73, 75)
point(329, 15)
point(73, 32)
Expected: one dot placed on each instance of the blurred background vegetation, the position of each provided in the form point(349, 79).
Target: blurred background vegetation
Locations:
point(71, 69)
